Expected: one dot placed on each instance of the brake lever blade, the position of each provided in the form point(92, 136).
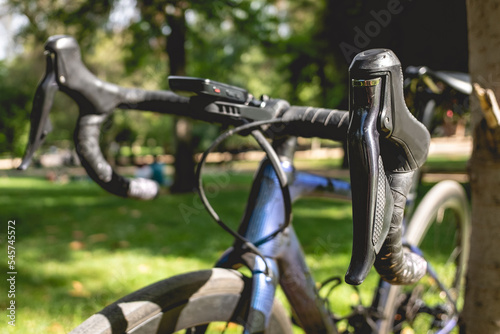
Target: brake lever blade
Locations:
point(42, 104)
point(372, 201)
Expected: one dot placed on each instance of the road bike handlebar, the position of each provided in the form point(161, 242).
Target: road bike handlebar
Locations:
point(385, 143)
point(97, 99)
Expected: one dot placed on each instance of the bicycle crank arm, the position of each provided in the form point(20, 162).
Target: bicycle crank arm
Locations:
point(42, 104)
point(372, 200)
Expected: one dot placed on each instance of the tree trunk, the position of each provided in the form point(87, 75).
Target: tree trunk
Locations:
point(482, 300)
point(184, 177)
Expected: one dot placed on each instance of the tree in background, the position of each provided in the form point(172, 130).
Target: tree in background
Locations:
point(296, 50)
point(81, 18)
point(15, 94)
point(19, 76)
point(164, 27)
point(158, 40)
point(162, 15)
point(482, 300)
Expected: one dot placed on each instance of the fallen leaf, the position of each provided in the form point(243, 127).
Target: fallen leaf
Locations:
point(76, 245)
point(55, 328)
point(78, 290)
point(99, 237)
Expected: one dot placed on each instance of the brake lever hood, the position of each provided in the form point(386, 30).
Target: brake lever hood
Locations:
point(405, 141)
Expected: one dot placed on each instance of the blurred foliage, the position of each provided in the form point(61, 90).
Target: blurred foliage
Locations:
point(14, 109)
point(269, 47)
point(80, 19)
point(282, 48)
point(17, 87)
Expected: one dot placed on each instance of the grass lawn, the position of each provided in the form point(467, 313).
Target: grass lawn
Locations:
point(434, 164)
point(438, 164)
point(79, 248)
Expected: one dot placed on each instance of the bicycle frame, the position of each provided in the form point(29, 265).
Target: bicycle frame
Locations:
point(283, 254)
point(284, 257)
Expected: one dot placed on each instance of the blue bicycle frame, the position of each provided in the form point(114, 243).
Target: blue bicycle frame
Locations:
point(284, 259)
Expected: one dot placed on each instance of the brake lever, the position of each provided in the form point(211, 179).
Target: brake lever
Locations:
point(373, 202)
point(384, 140)
point(42, 105)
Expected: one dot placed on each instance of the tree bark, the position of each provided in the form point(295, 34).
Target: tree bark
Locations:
point(184, 177)
point(482, 300)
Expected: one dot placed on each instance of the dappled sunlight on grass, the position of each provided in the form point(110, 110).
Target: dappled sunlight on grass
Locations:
point(79, 248)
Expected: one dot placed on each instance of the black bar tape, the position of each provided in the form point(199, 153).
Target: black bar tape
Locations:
point(394, 263)
point(162, 101)
point(87, 147)
point(316, 122)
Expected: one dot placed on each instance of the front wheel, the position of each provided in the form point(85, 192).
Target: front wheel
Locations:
point(210, 301)
point(440, 229)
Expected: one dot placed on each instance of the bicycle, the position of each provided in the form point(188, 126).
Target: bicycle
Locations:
point(385, 145)
point(428, 93)
point(427, 89)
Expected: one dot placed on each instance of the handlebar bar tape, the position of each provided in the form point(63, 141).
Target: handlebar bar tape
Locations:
point(384, 140)
point(315, 122)
point(87, 138)
point(96, 99)
point(393, 263)
point(95, 96)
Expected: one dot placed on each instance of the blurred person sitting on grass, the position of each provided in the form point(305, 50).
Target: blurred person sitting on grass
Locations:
point(157, 171)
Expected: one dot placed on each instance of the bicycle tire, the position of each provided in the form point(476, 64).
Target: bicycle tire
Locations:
point(446, 195)
point(428, 114)
point(182, 303)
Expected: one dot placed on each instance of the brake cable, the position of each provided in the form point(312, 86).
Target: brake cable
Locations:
point(275, 163)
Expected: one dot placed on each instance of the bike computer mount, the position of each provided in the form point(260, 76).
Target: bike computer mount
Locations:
point(232, 101)
point(189, 86)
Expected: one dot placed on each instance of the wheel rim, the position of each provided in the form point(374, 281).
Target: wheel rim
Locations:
point(426, 307)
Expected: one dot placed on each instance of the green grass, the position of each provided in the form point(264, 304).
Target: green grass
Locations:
point(439, 164)
point(79, 248)
point(434, 164)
